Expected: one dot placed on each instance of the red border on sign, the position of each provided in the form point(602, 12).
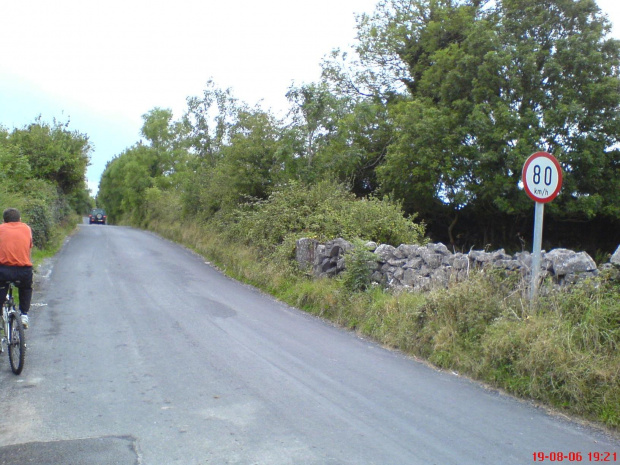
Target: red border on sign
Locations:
point(523, 178)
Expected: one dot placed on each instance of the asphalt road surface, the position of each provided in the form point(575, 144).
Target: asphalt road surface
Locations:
point(139, 352)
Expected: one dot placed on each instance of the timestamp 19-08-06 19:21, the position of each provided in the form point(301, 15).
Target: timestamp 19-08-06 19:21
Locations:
point(603, 457)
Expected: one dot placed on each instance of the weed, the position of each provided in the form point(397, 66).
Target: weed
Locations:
point(360, 263)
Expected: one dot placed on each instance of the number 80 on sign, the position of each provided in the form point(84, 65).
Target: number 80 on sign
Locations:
point(542, 177)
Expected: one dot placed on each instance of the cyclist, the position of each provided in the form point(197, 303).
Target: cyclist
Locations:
point(15, 262)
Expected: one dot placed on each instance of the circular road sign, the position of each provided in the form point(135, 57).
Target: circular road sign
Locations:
point(542, 177)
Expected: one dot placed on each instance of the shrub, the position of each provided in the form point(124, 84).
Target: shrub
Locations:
point(39, 218)
point(41, 206)
point(323, 211)
point(162, 205)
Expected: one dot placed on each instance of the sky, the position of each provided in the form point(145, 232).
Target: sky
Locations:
point(102, 65)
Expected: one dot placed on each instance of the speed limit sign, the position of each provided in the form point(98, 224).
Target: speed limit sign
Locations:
point(542, 177)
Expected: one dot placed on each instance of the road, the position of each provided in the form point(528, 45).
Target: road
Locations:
point(139, 352)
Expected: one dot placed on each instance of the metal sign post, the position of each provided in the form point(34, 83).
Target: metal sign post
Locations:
point(539, 210)
point(542, 180)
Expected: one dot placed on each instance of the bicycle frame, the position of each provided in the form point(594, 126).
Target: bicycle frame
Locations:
point(14, 336)
point(7, 308)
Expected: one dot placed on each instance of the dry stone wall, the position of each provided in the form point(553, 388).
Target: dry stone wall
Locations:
point(422, 268)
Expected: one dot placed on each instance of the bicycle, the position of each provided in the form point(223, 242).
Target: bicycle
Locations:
point(12, 333)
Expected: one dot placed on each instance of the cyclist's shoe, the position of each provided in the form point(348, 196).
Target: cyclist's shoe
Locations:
point(25, 321)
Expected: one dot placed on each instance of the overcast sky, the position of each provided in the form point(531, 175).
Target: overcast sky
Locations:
point(105, 64)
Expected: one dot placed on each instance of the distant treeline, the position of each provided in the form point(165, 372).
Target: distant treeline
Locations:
point(435, 109)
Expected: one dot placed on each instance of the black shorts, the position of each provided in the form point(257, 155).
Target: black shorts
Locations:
point(20, 275)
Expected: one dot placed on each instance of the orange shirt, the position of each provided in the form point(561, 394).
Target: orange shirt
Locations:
point(15, 244)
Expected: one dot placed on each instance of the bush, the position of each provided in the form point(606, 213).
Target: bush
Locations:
point(322, 211)
point(162, 205)
point(41, 207)
point(39, 218)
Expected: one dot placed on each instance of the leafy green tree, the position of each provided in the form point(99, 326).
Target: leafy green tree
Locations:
point(124, 183)
point(81, 201)
point(14, 166)
point(564, 75)
point(54, 153)
point(111, 189)
point(314, 112)
point(248, 169)
point(207, 124)
point(208, 120)
point(42, 173)
point(486, 85)
point(357, 146)
point(251, 158)
point(157, 128)
point(169, 141)
point(336, 136)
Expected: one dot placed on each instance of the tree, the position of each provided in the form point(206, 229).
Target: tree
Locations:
point(248, 169)
point(314, 111)
point(486, 85)
point(157, 128)
point(168, 140)
point(42, 173)
point(251, 158)
point(566, 88)
point(357, 146)
point(125, 180)
point(14, 166)
point(337, 136)
point(208, 120)
point(54, 153)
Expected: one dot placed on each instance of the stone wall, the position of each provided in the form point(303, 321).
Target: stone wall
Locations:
point(425, 267)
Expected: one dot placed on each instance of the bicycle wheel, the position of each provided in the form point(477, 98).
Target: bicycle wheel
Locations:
point(17, 343)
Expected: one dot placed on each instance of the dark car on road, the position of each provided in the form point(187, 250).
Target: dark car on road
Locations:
point(97, 215)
